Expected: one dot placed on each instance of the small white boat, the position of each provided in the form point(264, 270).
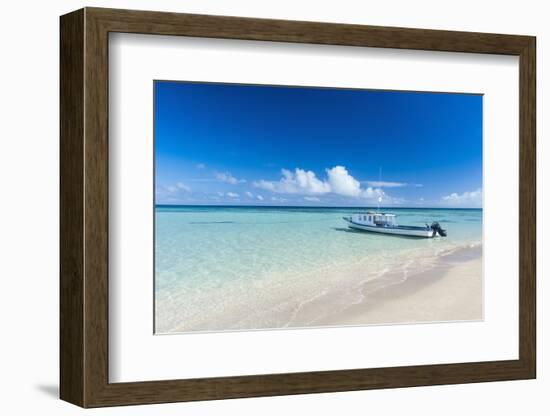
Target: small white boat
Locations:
point(386, 224)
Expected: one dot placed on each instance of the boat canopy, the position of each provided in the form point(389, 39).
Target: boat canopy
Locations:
point(376, 214)
point(376, 218)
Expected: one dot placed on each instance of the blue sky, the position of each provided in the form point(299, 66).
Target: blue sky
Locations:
point(273, 145)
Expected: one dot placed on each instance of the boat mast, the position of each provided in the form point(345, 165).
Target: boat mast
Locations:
point(379, 186)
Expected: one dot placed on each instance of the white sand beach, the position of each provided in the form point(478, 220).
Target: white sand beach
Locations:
point(450, 291)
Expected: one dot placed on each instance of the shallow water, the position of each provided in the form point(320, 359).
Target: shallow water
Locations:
point(220, 268)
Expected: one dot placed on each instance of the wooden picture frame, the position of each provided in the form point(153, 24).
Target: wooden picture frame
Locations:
point(84, 207)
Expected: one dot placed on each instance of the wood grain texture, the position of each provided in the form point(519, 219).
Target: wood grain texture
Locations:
point(84, 207)
point(162, 23)
point(71, 100)
point(96, 208)
point(528, 208)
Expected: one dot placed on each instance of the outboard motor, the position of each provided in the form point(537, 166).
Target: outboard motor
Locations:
point(437, 228)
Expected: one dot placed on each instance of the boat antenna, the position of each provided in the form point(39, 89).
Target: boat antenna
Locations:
point(379, 186)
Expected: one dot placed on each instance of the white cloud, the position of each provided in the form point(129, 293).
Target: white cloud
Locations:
point(267, 185)
point(173, 193)
point(228, 178)
point(374, 193)
point(261, 198)
point(167, 190)
point(311, 198)
point(297, 182)
point(472, 199)
point(342, 183)
point(232, 195)
point(303, 182)
point(249, 194)
point(277, 199)
point(386, 184)
point(183, 187)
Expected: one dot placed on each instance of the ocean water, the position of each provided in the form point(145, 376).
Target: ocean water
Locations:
point(233, 268)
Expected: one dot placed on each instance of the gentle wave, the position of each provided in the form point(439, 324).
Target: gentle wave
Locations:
point(232, 269)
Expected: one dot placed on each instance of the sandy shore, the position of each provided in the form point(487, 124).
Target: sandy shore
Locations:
point(447, 287)
point(451, 291)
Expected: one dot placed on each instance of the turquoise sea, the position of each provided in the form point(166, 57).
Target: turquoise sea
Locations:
point(230, 268)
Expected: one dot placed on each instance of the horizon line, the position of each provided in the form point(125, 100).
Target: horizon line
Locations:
point(305, 206)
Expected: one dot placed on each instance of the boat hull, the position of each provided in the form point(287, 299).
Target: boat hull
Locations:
point(399, 230)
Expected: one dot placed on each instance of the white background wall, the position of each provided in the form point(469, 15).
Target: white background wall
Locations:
point(29, 209)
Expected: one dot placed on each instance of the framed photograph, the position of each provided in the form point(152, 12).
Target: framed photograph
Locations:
point(257, 207)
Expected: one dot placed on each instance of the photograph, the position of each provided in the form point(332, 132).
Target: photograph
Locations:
point(288, 207)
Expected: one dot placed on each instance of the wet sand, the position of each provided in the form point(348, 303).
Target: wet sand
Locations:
point(451, 291)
